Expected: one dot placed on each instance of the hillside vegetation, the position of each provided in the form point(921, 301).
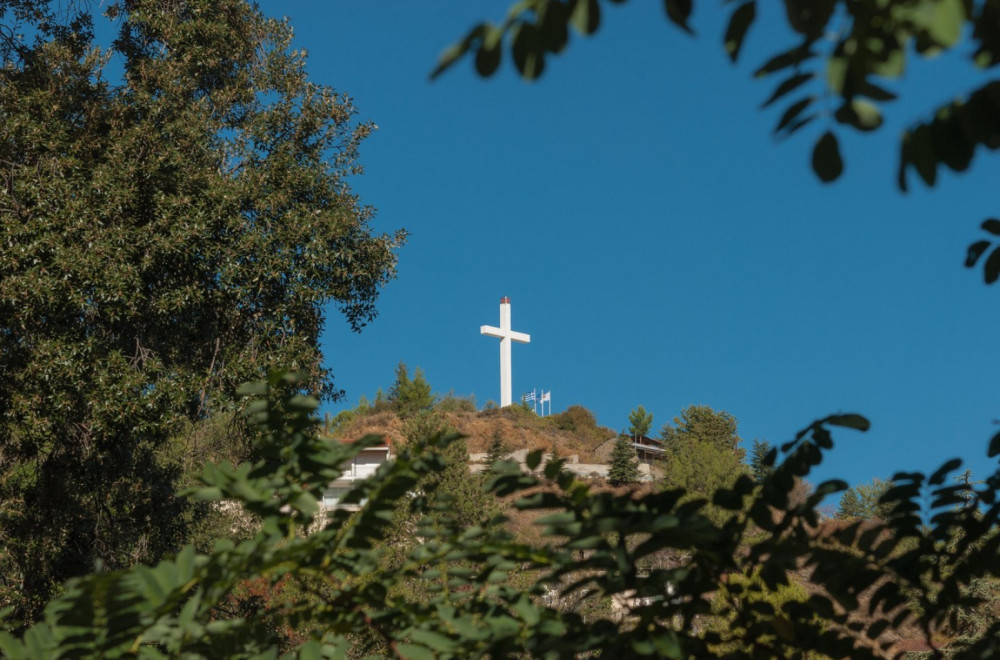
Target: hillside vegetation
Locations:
point(432, 565)
point(574, 432)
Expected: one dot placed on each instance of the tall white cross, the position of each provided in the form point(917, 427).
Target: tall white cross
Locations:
point(506, 335)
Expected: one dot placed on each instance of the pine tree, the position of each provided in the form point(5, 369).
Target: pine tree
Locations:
point(498, 449)
point(410, 396)
point(624, 462)
point(640, 422)
point(758, 456)
point(861, 502)
point(425, 424)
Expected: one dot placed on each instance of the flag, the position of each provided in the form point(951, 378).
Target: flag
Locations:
point(530, 396)
point(547, 396)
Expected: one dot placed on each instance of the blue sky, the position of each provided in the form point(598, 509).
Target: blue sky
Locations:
point(659, 245)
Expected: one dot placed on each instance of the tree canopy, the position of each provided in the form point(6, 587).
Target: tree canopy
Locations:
point(639, 421)
point(862, 502)
point(701, 423)
point(168, 234)
point(410, 395)
point(758, 459)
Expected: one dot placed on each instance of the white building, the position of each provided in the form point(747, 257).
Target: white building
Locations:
point(360, 468)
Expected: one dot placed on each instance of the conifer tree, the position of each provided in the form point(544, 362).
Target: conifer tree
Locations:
point(624, 463)
point(640, 422)
point(410, 396)
point(862, 502)
point(498, 449)
point(758, 454)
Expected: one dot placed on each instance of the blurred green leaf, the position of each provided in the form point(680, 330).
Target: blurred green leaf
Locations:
point(679, 11)
point(739, 23)
point(788, 85)
point(850, 420)
point(585, 16)
point(826, 160)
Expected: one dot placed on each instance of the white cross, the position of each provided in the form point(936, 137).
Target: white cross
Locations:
point(505, 334)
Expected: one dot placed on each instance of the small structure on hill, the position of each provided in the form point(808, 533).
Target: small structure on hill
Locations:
point(649, 450)
point(479, 462)
point(360, 468)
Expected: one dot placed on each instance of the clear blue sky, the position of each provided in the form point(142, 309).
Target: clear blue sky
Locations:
point(659, 245)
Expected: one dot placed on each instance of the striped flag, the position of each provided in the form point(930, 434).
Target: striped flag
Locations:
point(530, 396)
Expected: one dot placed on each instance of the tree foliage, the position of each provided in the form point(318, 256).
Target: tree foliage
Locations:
point(469, 605)
point(759, 466)
point(863, 502)
point(410, 396)
point(838, 69)
point(703, 424)
point(639, 422)
point(700, 467)
point(624, 467)
point(498, 449)
point(167, 235)
point(577, 419)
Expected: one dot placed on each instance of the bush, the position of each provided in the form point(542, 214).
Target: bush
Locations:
point(450, 403)
point(580, 421)
point(746, 602)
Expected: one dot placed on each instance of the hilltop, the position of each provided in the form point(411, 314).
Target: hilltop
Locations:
point(574, 432)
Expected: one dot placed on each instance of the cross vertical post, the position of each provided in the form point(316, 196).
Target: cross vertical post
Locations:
point(506, 336)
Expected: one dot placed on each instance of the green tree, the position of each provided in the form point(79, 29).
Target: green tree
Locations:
point(167, 234)
point(498, 450)
point(624, 467)
point(453, 596)
point(382, 402)
point(759, 467)
point(460, 494)
point(426, 424)
point(410, 396)
point(700, 467)
point(703, 424)
point(863, 501)
point(579, 420)
point(640, 422)
point(742, 592)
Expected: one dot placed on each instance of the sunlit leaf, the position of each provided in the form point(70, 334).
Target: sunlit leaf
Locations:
point(585, 16)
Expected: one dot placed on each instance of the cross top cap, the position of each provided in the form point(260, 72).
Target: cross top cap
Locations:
point(505, 300)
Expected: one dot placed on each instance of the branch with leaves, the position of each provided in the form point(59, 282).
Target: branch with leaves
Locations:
point(839, 70)
point(596, 544)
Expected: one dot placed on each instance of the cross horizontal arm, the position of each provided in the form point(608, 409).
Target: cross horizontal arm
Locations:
point(521, 337)
point(500, 333)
